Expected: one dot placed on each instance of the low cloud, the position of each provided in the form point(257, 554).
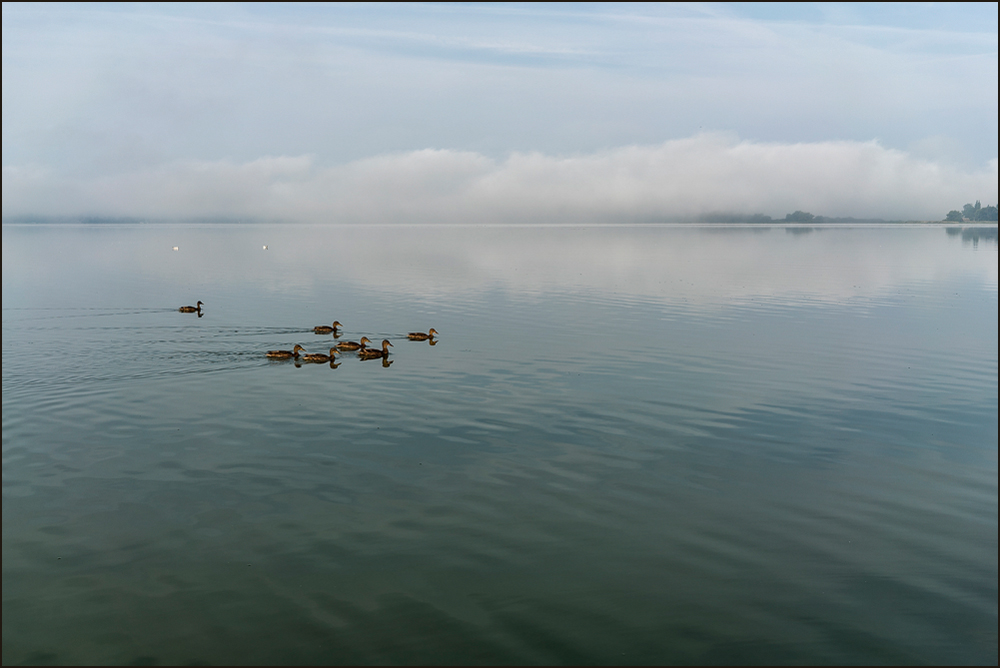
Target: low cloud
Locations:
point(675, 180)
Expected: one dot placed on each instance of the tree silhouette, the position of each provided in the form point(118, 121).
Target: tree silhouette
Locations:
point(799, 217)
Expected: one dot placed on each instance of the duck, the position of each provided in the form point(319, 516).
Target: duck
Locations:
point(375, 353)
point(191, 309)
point(353, 345)
point(327, 329)
point(320, 357)
point(420, 336)
point(286, 354)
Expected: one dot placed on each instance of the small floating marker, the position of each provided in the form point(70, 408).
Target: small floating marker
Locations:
point(177, 248)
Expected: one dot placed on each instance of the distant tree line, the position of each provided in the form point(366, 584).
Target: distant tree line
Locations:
point(969, 213)
point(760, 218)
point(795, 218)
point(972, 213)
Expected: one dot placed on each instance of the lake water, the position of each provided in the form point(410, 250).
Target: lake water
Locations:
point(628, 445)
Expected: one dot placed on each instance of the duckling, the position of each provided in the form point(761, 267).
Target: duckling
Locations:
point(191, 309)
point(353, 345)
point(328, 329)
point(420, 336)
point(320, 357)
point(285, 354)
point(375, 353)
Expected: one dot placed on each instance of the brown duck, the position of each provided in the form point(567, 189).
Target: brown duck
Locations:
point(191, 309)
point(328, 329)
point(286, 354)
point(420, 336)
point(375, 353)
point(353, 345)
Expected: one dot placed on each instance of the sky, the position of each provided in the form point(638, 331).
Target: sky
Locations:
point(498, 113)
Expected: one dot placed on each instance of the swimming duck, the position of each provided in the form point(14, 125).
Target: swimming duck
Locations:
point(328, 329)
point(285, 354)
point(320, 357)
point(191, 309)
point(353, 345)
point(420, 336)
point(375, 353)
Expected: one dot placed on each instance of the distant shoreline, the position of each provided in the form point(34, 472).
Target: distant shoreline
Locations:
point(80, 221)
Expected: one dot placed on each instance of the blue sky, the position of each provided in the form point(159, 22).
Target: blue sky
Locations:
point(129, 110)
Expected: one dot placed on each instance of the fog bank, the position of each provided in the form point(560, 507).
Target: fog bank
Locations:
point(674, 180)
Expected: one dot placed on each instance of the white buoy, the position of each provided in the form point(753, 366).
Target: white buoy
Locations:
point(265, 247)
point(177, 248)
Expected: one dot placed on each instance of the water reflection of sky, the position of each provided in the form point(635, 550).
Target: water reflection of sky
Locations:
point(754, 423)
point(691, 265)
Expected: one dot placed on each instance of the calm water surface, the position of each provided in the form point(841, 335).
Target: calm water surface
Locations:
point(632, 445)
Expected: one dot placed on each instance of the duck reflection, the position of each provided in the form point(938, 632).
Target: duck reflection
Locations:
point(333, 364)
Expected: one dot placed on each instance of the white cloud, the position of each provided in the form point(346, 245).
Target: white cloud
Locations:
point(673, 180)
